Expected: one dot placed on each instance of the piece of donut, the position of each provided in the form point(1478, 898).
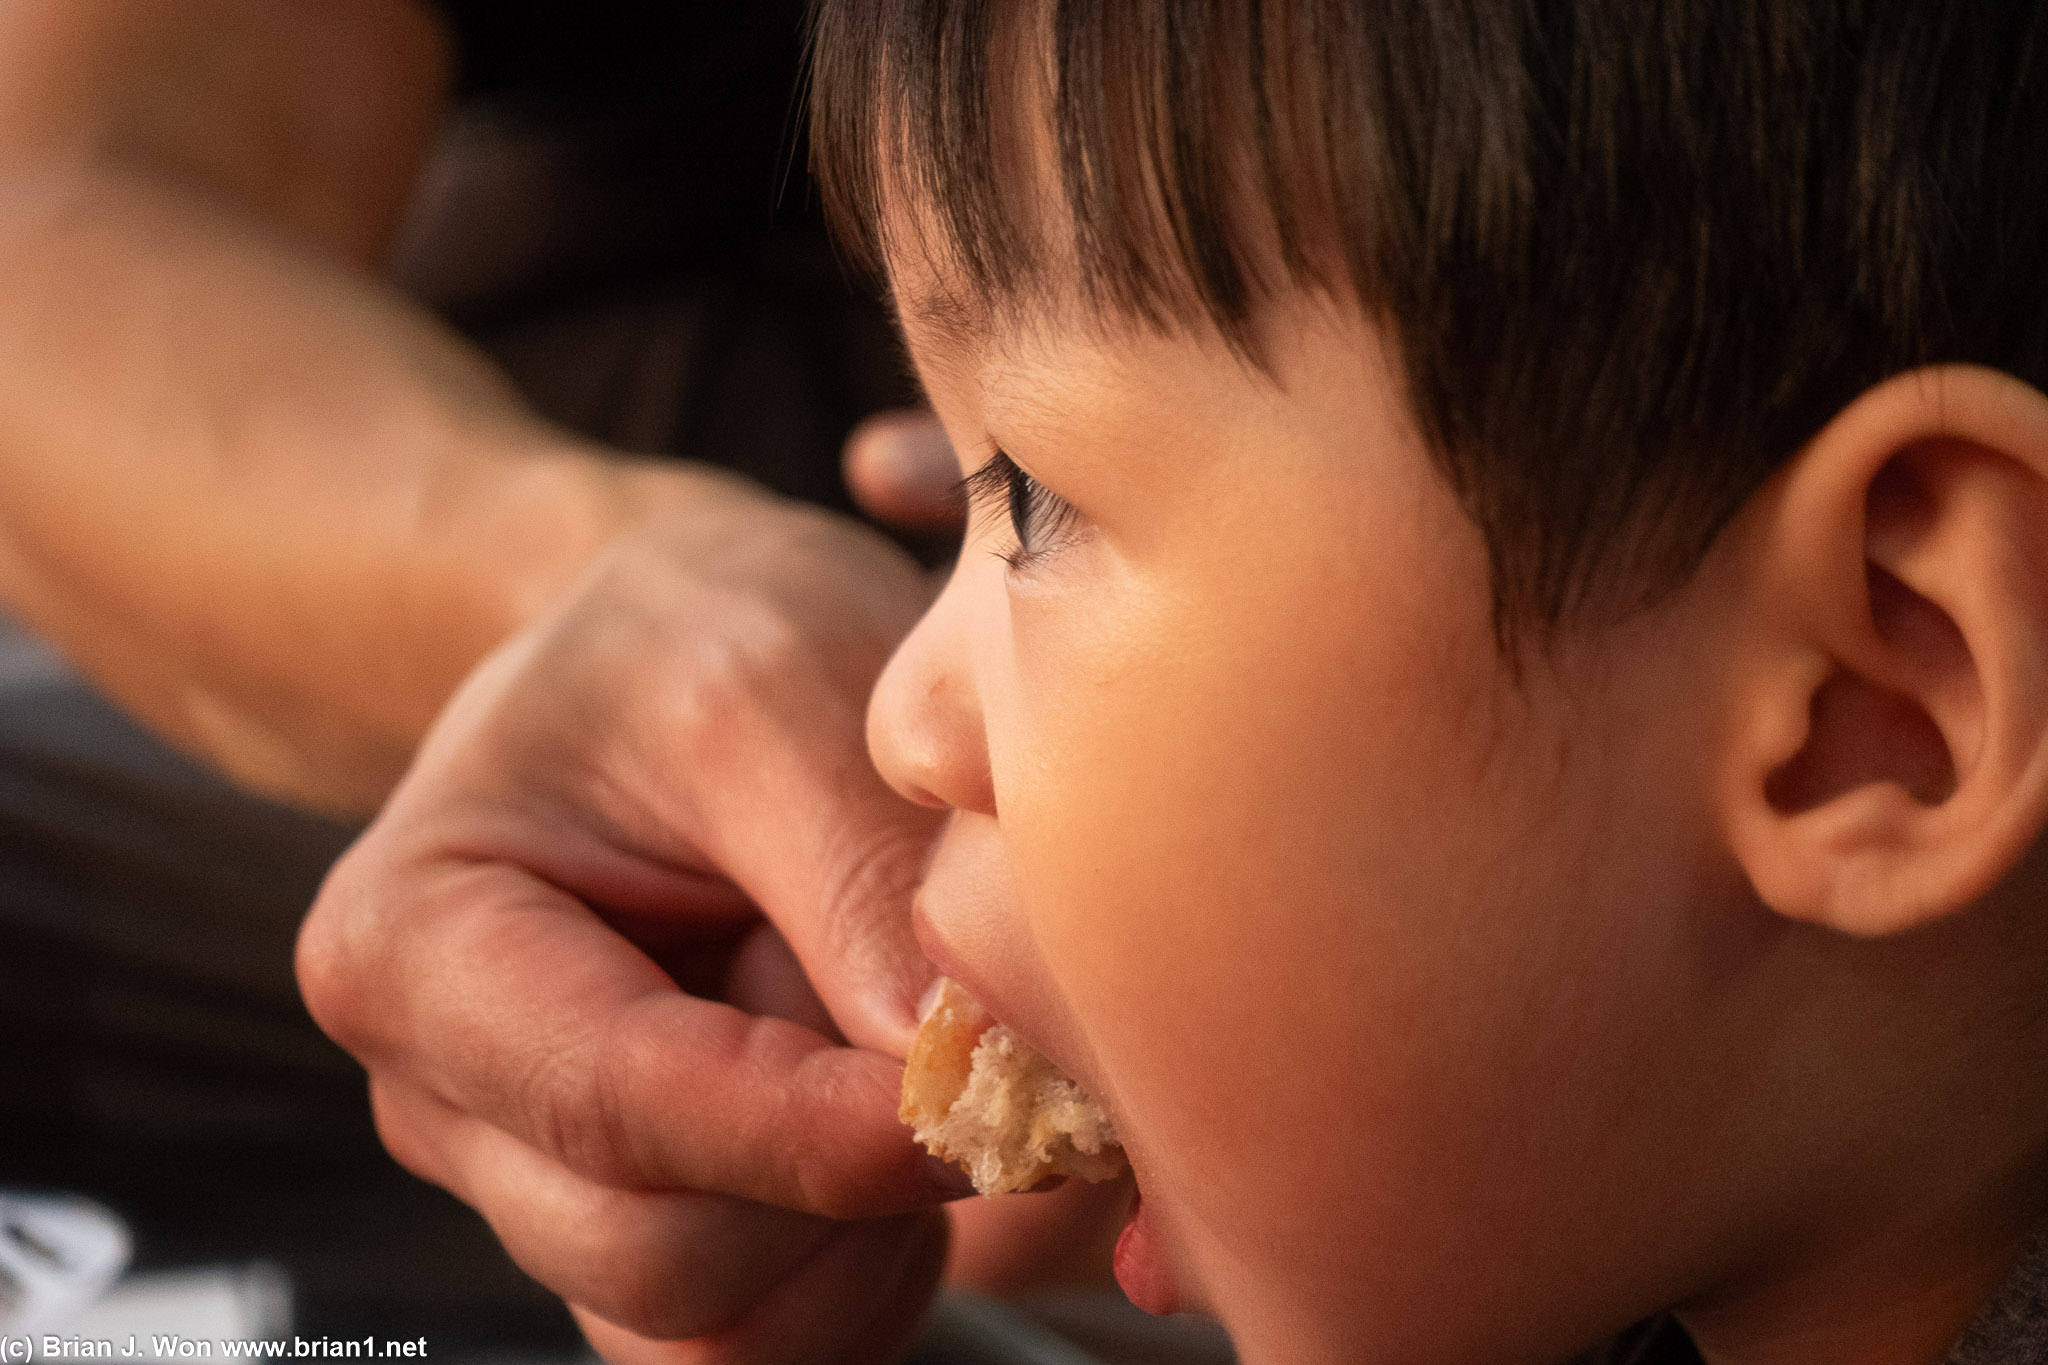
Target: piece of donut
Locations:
point(976, 1093)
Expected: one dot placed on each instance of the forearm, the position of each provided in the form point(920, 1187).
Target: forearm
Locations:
point(274, 512)
point(311, 119)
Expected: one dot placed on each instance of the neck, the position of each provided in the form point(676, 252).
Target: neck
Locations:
point(1895, 1297)
point(1924, 1174)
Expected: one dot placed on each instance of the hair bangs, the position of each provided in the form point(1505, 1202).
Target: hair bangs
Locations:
point(1180, 189)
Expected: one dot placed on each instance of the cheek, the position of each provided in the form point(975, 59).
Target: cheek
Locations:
point(1241, 815)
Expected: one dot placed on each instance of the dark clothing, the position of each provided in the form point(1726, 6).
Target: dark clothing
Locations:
point(156, 1052)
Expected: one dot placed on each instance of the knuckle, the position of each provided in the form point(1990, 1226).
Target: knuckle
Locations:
point(579, 1100)
point(329, 958)
point(805, 536)
point(556, 1098)
point(733, 679)
point(753, 645)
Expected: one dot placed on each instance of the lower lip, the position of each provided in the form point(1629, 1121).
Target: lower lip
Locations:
point(1141, 1264)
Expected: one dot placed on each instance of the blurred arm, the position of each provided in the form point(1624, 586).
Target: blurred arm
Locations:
point(271, 508)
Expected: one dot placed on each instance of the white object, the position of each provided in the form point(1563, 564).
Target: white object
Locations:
point(168, 1314)
point(58, 1253)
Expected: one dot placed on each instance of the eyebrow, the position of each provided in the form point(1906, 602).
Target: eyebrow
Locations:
point(960, 322)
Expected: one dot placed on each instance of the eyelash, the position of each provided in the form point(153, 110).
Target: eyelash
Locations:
point(1040, 519)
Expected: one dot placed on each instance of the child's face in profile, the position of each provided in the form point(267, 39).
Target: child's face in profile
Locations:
point(1255, 836)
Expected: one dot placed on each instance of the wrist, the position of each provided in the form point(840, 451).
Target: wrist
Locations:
point(546, 517)
point(524, 540)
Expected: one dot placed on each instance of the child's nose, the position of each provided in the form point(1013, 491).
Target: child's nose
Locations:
point(924, 721)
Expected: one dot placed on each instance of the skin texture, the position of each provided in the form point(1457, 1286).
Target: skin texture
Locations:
point(1450, 1016)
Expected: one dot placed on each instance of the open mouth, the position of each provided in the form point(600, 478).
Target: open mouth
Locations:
point(976, 1093)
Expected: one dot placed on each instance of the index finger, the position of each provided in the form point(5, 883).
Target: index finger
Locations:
point(506, 997)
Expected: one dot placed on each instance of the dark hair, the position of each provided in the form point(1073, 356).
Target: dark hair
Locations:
point(1633, 254)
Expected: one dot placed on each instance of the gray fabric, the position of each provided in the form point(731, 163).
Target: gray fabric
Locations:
point(147, 915)
point(2012, 1329)
point(153, 1050)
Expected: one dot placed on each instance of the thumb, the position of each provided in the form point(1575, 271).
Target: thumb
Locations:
point(900, 468)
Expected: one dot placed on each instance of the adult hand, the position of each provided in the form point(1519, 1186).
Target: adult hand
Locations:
point(601, 948)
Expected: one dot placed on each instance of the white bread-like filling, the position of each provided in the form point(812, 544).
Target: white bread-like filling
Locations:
point(1007, 1115)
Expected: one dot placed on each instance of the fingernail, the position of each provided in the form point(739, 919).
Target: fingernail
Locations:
point(930, 999)
point(897, 1018)
point(948, 1179)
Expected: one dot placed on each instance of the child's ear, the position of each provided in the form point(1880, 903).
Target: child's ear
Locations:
point(1888, 760)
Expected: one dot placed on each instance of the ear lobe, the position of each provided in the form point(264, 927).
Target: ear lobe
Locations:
point(1888, 764)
